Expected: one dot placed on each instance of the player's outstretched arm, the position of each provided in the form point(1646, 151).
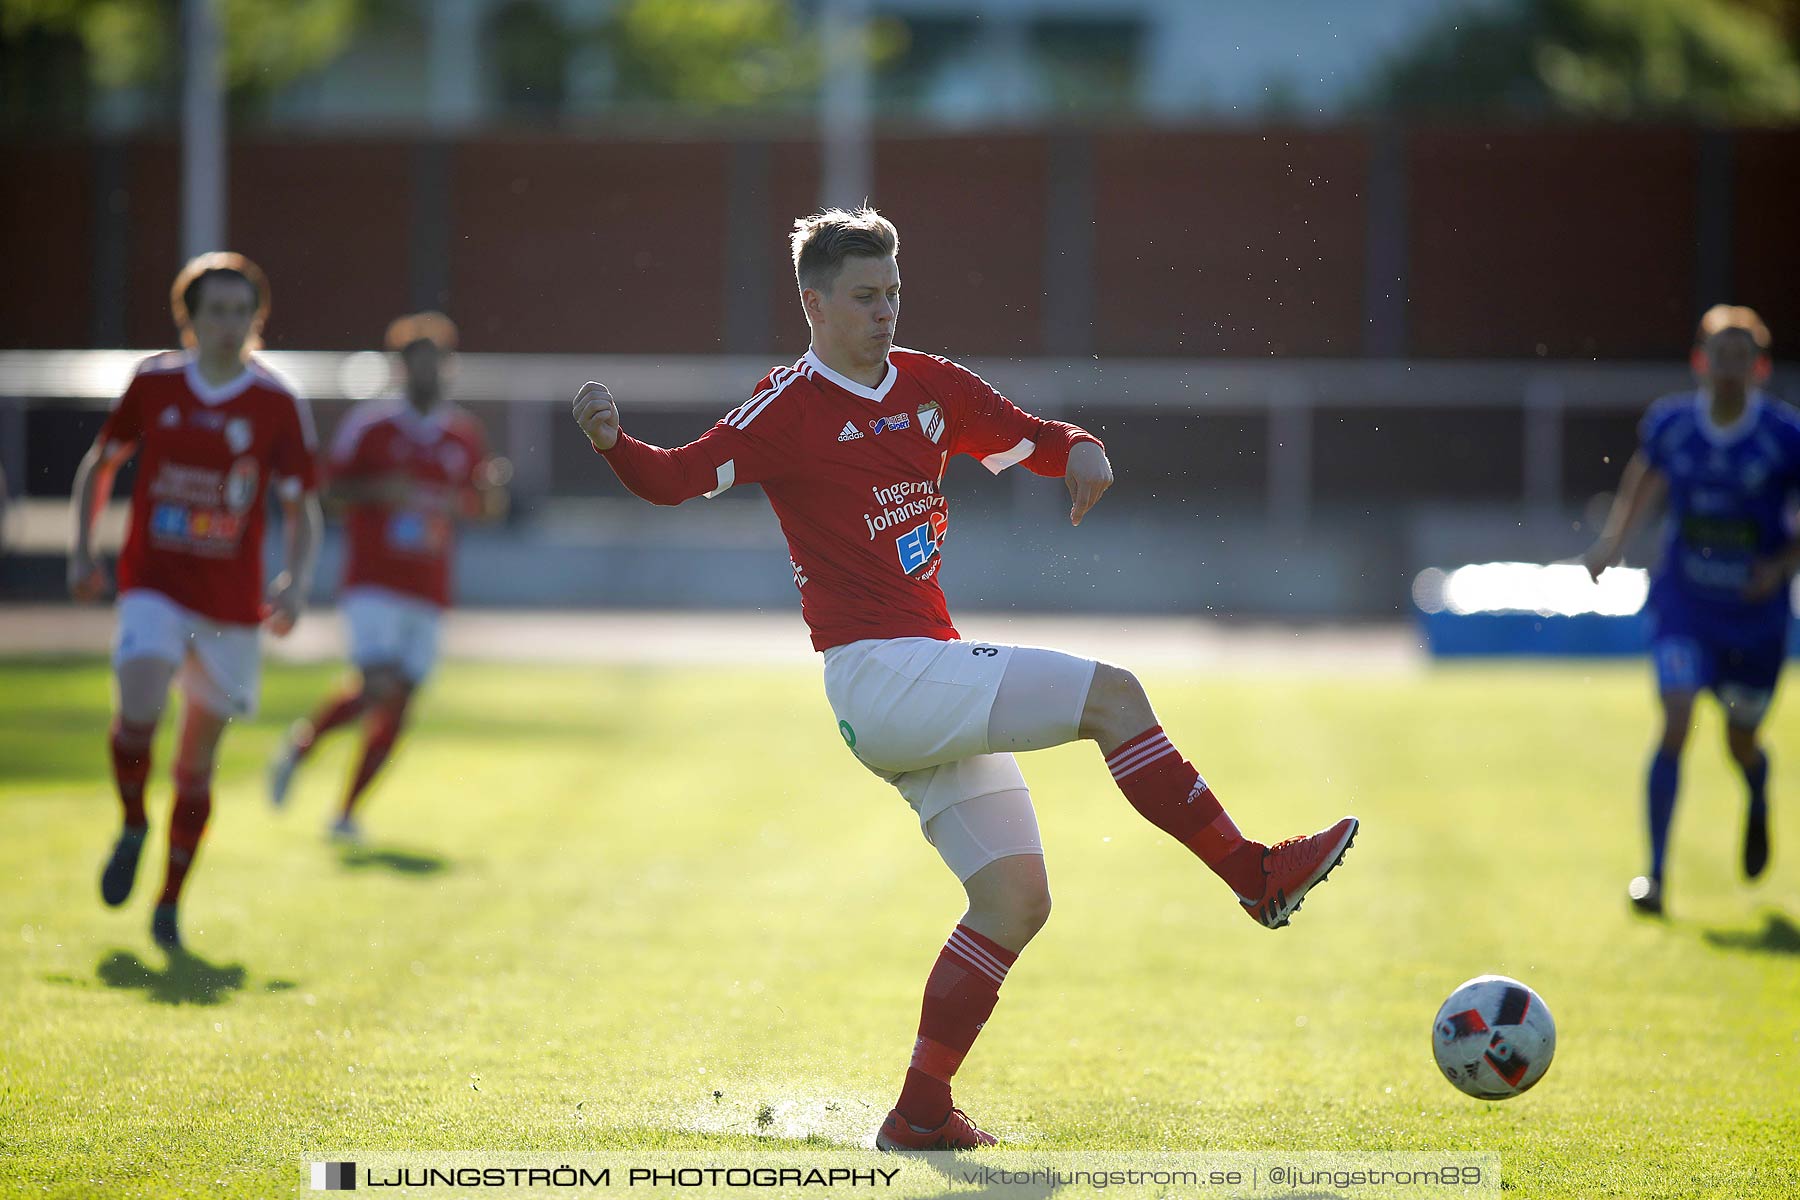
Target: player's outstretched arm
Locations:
point(1642, 488)
point(648, 472)
point(88, 580)
point(1088, 475)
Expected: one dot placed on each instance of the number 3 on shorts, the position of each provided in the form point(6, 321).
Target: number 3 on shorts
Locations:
point(983, 651)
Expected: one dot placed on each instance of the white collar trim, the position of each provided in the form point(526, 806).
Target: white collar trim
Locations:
point(210, 394)
point(1724, 435)
point(877, 394)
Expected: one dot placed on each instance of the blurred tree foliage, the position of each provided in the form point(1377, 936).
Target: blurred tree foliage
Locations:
point(132, 42)
point(719, 55)
point(711, 54)
point(1725, 60)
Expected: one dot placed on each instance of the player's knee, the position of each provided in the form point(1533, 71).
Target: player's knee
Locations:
point(1010, 898)
point(383, 685)
point(1743, 745)
point(1033, 911)
point(1117, 706)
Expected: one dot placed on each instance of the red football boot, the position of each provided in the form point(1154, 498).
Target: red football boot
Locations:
point(956, 1133)
point(1294, 867)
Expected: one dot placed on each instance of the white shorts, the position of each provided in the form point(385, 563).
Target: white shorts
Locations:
point(970, 835)
point(939, 720)
point(388, 629)
point(221, 664)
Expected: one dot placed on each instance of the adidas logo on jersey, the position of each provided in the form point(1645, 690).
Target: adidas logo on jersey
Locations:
point(850, 432)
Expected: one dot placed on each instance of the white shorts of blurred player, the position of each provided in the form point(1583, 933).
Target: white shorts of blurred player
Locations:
point(221, 664)
point(941, 720)
point(388, 629)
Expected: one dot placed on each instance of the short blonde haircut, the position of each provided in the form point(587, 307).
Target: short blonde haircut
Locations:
point(433, 327)
point(1721, 317)
point(184, 293)
point(824, 240)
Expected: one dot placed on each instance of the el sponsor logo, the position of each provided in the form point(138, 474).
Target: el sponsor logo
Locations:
point(895, 421)
point(919, 546)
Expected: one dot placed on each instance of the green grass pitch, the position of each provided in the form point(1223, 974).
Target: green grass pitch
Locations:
point(607, 909)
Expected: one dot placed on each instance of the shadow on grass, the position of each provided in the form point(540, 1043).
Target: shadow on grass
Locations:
point(393, 858)
point(187, 979)
point(1778, 935)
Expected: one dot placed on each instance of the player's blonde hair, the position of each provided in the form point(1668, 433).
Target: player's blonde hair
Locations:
point(184, 294)
point(433, 327)
point(1721, 317)
point(824, 240)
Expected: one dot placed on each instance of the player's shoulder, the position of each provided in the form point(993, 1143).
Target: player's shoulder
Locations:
point(163, 363)
point(281, 392)
point(463, 426)
point(1776, 411)
point(924, 363)
point(778, 396)
point(1676, 408)
point(365, 415)
point(364, 418)
point(267, 378)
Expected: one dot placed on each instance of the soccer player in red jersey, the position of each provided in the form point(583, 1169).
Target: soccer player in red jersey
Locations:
point(213, 432)
point(850, 444)
point(404, 469)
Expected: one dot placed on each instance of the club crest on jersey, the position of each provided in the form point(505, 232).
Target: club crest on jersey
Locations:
point(931, 420)
point(238, 435)
point(896, 421)
point(850, 432)
point(240, 485)
point(918, 547)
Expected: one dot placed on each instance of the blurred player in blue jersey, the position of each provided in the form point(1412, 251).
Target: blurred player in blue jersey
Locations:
point(1726, 457)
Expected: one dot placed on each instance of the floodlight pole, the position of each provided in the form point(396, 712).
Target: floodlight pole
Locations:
point(202, 131)
point(847, 173)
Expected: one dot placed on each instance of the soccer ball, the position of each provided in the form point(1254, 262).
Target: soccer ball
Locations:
point(1493, 1038)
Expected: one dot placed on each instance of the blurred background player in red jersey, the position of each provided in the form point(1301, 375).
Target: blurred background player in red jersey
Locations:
point(404, 469)
point(212, 430)
point(850, 445)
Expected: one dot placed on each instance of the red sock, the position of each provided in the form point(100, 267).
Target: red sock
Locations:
point(193, 805)
point(130, 745)
point(960, 994)
point(1171, 796)
point(339, 710)
point(378, 743)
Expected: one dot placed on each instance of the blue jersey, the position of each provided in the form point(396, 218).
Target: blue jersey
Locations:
point(1730, 494)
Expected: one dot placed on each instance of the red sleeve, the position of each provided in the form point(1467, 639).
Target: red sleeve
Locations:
point(292, 459)
point(125, 423)
point(750, 444)
point(994, 430)
point(718, 460)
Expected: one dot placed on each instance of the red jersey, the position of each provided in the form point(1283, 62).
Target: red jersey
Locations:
point(855, 477)
point(206, 457)
point(401, 548)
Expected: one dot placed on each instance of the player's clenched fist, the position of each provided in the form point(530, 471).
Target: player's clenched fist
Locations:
point(597, 415)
